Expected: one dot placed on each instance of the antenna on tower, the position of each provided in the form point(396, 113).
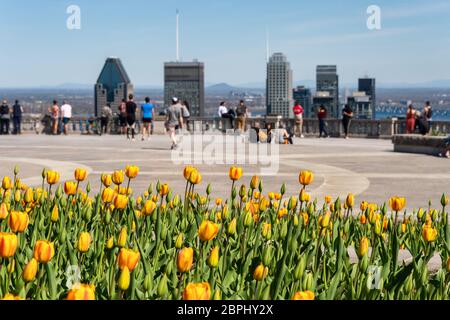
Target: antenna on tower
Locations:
point(267, 45)
point(178, 36)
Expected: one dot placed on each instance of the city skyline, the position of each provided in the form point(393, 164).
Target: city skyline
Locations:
point(409, 48)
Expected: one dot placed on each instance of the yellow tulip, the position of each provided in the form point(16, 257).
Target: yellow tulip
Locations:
point(363, 247)
point(124, 279)
point(84, 242)
point(28, 197)
point(82, 292)
point(397, 204)
point(128, 259)
point(123, 235)
point(43, 251)
point(197, 291)
point(303, 295)
point(131, 171)
point(306, 178)
point(195, 177)
point(260, 272)
point(118, 177)
point(149, 207)
point(10, 296)
point(208, 230)
point(70, 188)
point(350, 201)
point(8, 245)
point(363, 206)
point(120, 201)
point(18, 221)
point(232, 227)
point(164, 190)
point(429, 233)
point(325, 221)
point(185, 260)
point(52, 177)
point(108, 195)
point(7, 184)
point(304, 196)
point(188, 171)
point(254, 182)
point(266, 228)
point(3, 211)
point(235, 173)
point(30, 270)
point(80, 174)
point(213, 260)
point(328, 199)
point(107, 180)
point(110, 243)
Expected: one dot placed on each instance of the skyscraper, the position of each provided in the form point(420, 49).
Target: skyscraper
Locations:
point(368, 85)
point(304, 97)
point(328, 81)
point(279, 86)
point(361, 105)
point(186, 81)
point(112, 85)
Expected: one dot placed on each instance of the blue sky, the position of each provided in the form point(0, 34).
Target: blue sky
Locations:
point(229, 36)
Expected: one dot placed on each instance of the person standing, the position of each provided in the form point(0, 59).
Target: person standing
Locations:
point(148, 113)
point(347, 116)
point(322, 116)
point(17, 117)
point(298, 115)
point(54, 111)
point(104, 120)
point(174, 119)
point(241, 112)
point(123, 116)
point(66, 114)
point(186, 114)
point(131, 108)
point(4, 117)
point(410, 120)
point(428, 113)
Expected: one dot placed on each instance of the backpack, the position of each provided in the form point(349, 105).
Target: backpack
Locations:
point(186, 113)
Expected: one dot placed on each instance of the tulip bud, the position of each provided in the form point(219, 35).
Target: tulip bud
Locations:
point(260, 272)
point(11, 266)
point(208, 189)
point(164, 233)
point(213, 260)
point(409, 285)
point(88, 187)
point(162, 287)
point(108, 217)
point(448, 264)
point(124, 279)
point(284, 230)
point(308, 282)
point(267, 255)
point(148, 282)
point(110, 243)
point(30, 270)
point(283, 189)
point(233, 193)
point(300, 268)
point(17, 196)
point(179, 241)
point(217, 295)
point(16, 170)
point(248, 219)
point(260, 186)
point(364, 264)
point(55, 213)
point(122, 240)
point(232, 227)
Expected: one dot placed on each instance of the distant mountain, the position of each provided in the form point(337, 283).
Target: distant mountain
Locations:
point(221, 87)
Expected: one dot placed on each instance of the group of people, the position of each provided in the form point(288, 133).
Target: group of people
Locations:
point(63, 113)
point(7, 113)
point(419, 121)
point(237, 116)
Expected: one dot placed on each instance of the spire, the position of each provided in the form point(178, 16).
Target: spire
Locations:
point(178, 36)
point(267, 45)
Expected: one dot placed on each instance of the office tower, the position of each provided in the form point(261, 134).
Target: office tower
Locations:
point(368, 85)
point(186, 81)
point(304, 97)
point(279, 92)
point(328, 81)
point(112, 85)
point(323, 98)
point(361, 105)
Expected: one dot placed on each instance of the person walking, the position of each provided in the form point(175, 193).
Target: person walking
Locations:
point(17, 117)
point(347, 116)
point(123, 116)
point(131, 108)
point(186, 114)
point(174, 119)
point(148, 113)
point(410, 119)
point(241, 112)
point(322, 116)
point(104, 120)
point(54, 111)
point(4, 117)
point(298, 115)
point(66, 114)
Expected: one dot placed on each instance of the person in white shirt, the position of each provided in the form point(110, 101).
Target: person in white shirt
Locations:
point(225, 114)
point(66, 115)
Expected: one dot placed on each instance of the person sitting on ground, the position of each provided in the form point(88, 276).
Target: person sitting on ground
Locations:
point(269, 133)
point(446, 152)
point(285, 136)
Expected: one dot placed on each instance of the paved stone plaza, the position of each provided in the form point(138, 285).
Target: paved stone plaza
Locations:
point(368, 168)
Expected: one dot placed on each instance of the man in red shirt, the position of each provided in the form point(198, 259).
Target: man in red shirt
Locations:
point(298, 114)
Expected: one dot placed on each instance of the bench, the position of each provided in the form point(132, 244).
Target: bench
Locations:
point(410, 143)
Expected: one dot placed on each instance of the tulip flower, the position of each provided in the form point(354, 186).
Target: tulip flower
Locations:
point(164, 190)
point(149, 207)
point(110, 243)
point(70, 188)
point(448, 264)
point(28, 196)
point(3, 211)
point(108, 195)
point(43, 251)
point(363, 219)
point(84, 242)
point(124, 279)
point(266, 229)
point(120, 201)
point(306, 178)
point(429, 233)
point(363, 247)
point(8, 245)
point(232, 227)
point(18, 221)
point(185, 260)
point(304, 196)
point(208, 230)
point(82, 292)
point(131, 171)
point(197, 291)
point(52, 177)
point(7, 184)
point(30, 270)
point(328, 199)
point(118, 177)
point(235, 173)
point(123, 235)
point(303, 295)
point(128, 258)
point(325, 221)
point(188, 171)
point(444, 200)
point(80, 174)
point(397, 204)
point(350, 201)
point(10, 296)
point(260, 272)
point(107, 180)
point(363, 206)
point(195, 177)
point(254, 182)
point(213, 260)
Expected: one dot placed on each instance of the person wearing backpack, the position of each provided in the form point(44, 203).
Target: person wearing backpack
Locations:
point(17, 117)
point(185, 113)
